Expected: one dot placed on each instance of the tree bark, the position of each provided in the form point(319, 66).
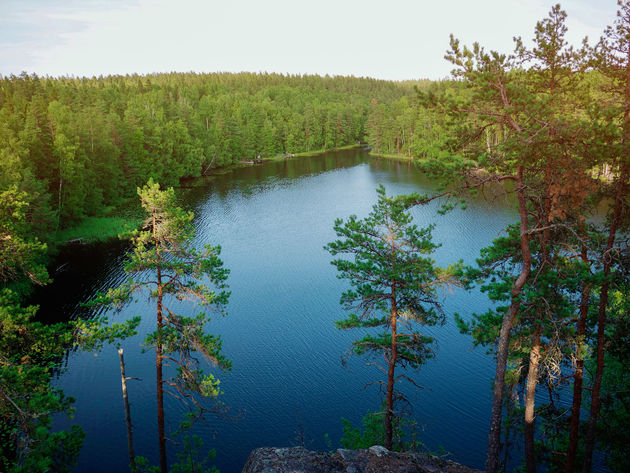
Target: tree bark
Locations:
point(530, 402)
point(158, 357)
point(132, 461)
point(578, 377)
point(389, 414)
point(160, 405)
point(601, 323)
point(494, 438)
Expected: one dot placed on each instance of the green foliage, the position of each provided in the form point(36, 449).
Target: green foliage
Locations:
point(537, 118)
point(164, 250)
point(389, 270)
point(93, 334)
point(21, 254)
point(612, 435)
point(548, 300)
point(372, 432)
point(190, 458)
point(77, 146)
point(94, 229)
point(390, 273)
point(29, 351)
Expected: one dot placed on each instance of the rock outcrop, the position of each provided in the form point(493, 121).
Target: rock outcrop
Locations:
point(376, 459)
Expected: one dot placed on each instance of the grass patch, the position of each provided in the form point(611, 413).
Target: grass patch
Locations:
point(94, 229)
point(402, 157)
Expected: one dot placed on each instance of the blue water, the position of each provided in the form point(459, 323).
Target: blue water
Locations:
point(287, 381)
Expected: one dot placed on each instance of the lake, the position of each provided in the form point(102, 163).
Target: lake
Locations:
point(287, 383)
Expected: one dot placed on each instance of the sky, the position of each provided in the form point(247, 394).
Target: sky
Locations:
point(385, 39)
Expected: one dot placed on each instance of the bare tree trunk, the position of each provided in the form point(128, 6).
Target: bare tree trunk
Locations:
point(132, 462)
point(574, 426)
point(601, 323)
point(494, 438)
point(530, 402)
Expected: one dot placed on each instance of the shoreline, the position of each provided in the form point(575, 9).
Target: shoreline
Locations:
point(399, 157)
point(102, 228)
point(97, 229)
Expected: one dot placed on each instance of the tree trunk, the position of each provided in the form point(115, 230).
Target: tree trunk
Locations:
point(158, 357)
point(132, 462)
point(578, 377)
point(494, 438)
point(389, 414)
point(160, 405)
point(601, 323)
point(603, 301)
point(530, 402)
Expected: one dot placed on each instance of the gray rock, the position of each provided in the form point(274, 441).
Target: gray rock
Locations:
point(378, 450)
point(348, 455)
point(291, 460)
point(376, 459)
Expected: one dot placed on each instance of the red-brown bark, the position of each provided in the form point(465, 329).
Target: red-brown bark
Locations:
point(494, 438)
point(601, 322)
point(578, 376)
point(389, 413)
point(532, 381)
point(158, 358)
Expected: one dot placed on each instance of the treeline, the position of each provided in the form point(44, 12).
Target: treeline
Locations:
point(407, 128)
point(77, 145)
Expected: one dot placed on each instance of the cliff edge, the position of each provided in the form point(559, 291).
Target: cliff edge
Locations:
point(376, 459)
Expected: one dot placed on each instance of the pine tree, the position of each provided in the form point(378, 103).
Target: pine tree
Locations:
point(164, 250)
point(395, 286)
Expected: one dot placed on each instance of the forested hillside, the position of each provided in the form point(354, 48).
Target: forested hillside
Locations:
point(77, 146)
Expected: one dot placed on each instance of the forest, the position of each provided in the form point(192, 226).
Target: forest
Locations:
point(548, 123)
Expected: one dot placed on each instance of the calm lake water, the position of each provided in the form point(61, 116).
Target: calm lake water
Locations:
point(272, 221)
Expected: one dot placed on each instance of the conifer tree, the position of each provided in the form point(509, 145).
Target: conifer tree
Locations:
point(529, 99)
point(29, 351)
point(612, 59)
point(165, 263)
point(394, 286)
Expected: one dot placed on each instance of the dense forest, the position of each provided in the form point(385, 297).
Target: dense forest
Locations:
point(549, 123)
point(79, 145)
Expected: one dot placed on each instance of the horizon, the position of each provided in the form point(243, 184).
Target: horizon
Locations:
point(404, 41)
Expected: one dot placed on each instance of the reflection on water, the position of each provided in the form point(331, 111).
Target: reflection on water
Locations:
point(272, 221)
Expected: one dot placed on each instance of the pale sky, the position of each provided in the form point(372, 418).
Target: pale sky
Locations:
point(386, 39)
